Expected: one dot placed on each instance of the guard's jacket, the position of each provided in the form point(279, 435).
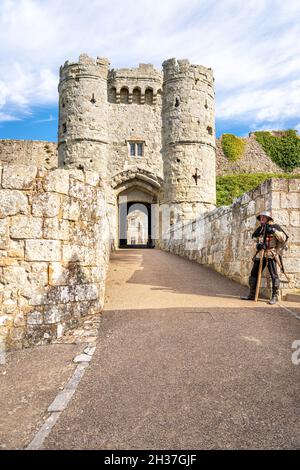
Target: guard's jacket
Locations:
point(273, 241)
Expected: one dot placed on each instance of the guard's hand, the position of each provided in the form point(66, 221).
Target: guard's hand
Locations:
point(260, 246)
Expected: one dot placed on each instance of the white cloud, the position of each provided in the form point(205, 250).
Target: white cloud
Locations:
point(252, 46)
point(7, 117)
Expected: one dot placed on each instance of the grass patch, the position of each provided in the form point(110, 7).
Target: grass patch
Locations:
point(284, 149)
point(233, 147)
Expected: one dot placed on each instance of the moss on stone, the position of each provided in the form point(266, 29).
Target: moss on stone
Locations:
point(232, 186)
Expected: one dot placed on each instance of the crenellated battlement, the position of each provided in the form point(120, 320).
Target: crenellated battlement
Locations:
point(135, 85)
point(86, 67)
point(174, 69)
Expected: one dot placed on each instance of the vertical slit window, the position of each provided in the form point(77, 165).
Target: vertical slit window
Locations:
point(132, 150)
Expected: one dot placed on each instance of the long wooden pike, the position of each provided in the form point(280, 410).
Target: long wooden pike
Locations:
point(262, 253)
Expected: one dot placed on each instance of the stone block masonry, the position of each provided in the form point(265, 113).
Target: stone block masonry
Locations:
point(53, 251)
point(221, 239)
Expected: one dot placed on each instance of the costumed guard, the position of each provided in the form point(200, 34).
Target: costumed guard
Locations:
point(270, 239)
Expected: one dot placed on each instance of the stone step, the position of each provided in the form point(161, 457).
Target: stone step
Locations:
point(293, 297)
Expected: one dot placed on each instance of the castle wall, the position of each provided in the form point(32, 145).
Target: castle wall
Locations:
point(221, 239)
point(138, 120)
point(41, 153)
point(54, 249)
point(135, 123)
point(45, 153)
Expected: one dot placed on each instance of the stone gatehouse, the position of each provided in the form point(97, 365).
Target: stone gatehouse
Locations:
point(136, 166)
point(150, 135)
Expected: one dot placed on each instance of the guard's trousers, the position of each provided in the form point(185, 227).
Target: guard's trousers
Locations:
point(272, 267)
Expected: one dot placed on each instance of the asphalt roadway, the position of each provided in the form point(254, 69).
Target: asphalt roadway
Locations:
point(183, 363)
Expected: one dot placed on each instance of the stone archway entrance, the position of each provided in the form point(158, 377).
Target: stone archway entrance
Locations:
point(137, 195)
point(135, 225)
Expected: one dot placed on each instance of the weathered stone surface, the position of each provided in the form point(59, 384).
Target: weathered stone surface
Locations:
point(14, 276)
point(79, 253)
point(15, 249)
point(46, 205)
point(281, 217)
point(52, 315)
point(92, 178)
point(290, 200)
point(3, 233)
point(292, 265)
point(35, 152)
point(26, 227)
point(295, 218)
point(42, 250)
point(70, 209)
point(56, 229)
point(41, 294)
point(57, 181)
point(35, 318)
point(12, 202)
point(18, 176)
point(38, 275)
point(77, 189)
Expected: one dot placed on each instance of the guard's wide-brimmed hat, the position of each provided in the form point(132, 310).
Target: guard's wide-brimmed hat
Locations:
point(266, 214)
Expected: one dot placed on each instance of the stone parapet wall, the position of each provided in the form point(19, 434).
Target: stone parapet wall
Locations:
point(221, 239)
point(42, 153)
point(54, 250)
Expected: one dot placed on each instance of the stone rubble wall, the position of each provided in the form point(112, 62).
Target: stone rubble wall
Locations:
point(54, 250)
point(254, 160)
point(222, 240)
point(41, 153)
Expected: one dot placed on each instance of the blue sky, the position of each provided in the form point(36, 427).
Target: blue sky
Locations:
point(253, 47)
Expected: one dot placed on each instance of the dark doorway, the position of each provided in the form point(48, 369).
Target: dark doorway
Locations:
point(135, 225)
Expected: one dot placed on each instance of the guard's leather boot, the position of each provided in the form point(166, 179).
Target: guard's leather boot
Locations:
point(275, 291)
point(252, 285)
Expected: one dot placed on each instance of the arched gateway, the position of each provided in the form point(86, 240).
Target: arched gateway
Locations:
point(137, 196)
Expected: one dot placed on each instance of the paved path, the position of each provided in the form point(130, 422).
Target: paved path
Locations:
point(181, 362)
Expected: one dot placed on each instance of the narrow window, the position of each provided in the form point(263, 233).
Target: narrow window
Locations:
point(132, 150)
point(136, 96)
point(140, 149)
point(149, 96)
point(124, 95)
point(136, 149)
point(64, 127)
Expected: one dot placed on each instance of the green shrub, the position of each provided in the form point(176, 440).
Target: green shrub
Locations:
point(283, 150)
point(232, 186)
point(233, 147)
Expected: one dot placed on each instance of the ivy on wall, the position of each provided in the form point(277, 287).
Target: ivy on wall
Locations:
point(283, 149)
point(233, 147)
point(232, 186)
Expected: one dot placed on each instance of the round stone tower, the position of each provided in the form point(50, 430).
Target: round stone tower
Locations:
point(188, 138)
point(82, 130)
